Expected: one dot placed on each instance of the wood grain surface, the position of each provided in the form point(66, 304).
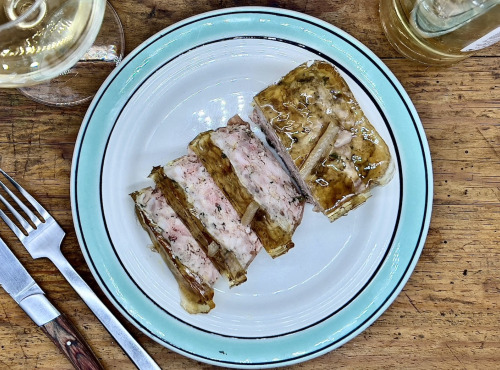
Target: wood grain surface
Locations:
point(446, 317)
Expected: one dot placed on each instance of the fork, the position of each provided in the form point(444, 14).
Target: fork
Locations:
point(44, 240)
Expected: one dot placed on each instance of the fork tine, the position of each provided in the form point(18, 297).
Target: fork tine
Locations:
point(28, 197)
point(26, 210)
point(16, 214)
point(20, 235)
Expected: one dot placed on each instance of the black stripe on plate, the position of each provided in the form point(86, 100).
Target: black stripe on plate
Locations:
point(273, 39)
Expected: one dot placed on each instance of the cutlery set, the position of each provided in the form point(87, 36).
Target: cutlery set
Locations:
point(41, 235)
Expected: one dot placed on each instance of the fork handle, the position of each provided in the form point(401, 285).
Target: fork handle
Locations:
point(133, 349)
point(71, 343)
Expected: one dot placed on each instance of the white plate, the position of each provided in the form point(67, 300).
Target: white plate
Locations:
point(194, 76)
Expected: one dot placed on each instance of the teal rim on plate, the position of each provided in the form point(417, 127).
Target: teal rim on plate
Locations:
point(414, 167)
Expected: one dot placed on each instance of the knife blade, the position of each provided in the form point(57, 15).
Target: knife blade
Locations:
point(19, 284)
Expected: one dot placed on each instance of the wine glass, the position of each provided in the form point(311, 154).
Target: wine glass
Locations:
point(48, 49)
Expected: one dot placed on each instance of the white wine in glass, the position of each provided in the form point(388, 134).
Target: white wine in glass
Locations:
point(440, 32)
point(41, 41)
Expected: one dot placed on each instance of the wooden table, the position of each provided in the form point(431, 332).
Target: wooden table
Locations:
point(447, 316)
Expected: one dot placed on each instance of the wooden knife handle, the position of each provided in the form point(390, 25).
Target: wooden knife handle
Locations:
point(71, 343)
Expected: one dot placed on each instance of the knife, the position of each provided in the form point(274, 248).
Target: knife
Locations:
point(25, 291)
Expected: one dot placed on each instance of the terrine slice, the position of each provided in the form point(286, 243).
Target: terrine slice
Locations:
point(191, 267)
